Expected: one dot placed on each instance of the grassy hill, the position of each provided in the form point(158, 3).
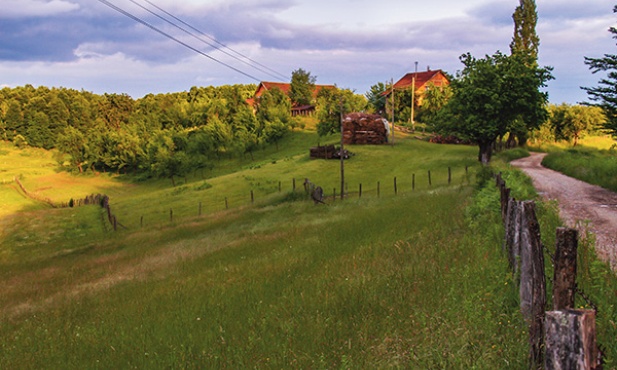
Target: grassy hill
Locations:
point(373, 282)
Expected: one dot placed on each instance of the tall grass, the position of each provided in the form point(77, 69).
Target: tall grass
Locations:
point(390, 282)
point(591, 165)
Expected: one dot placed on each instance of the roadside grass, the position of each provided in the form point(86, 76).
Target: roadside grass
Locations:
point(594, 277)
point(398, 281)
point(595, 166)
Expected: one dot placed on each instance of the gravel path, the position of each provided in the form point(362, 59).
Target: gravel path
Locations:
point(580, 204)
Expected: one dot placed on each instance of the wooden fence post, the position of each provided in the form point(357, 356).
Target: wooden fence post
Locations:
point(199, 208)
point(115, 223)
point(252, 197)
point(449, 175)
point(429, 178)
point(226, 203)
point(395, 187)
point(570, 339)
point(533, 282)
point(334, 194)
point(378, 189)
point(512, 244)
point(171, 215)
point(413, 181)
point(360, 191)
point(294, 184)
point(564, 278)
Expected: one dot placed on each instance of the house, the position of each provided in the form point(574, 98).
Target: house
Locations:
point(420, 81)
point(296, 110)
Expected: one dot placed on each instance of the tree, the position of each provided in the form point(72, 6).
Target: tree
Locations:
point(376, 98)
point(606, 93)
point(491, 95)
point(572, 122)
point(525, 39)
point(302, 87)
point(433, 100)
point(274, 115)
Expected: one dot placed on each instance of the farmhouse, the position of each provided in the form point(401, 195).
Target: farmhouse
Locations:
point(420, 81)
point(296, 110)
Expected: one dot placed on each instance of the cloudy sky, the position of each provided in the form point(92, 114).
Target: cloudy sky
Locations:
point(86, 44)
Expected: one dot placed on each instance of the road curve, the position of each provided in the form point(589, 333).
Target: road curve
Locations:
point(581, 205)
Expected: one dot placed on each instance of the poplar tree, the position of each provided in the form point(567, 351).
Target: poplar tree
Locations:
point(525, 39)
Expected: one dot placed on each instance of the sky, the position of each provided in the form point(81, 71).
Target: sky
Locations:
point(86, 44)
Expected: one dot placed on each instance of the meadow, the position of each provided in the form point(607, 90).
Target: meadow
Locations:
point(412, 280)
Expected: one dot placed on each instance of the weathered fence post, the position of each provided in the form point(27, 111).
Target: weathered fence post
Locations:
point(334, 194)
point(512, 244)
point(226, 203)
point(141, 221)
point(252, 197)
point(533, 282)
point(564, 278)
point(571, 340)
point(115, 223)
point(449, 175)
point(199, 208)
point(360, 191)
point(413, 181)
point(430, 183)
point(294, 184)
point(378, 189)
point(171, 215)
point(395, 187)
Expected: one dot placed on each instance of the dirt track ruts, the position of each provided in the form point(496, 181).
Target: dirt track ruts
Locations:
point(581, 205)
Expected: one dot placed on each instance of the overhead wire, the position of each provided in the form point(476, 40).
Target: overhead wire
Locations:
point(171, 37)
point(271, 72)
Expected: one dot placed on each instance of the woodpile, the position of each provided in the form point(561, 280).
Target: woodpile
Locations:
point(328, 152)
point(362, 128)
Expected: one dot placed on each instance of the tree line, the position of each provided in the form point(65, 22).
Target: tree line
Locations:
point(162, 135)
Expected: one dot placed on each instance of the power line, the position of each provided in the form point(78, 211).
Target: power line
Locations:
point(139, 20)
point(273, 73)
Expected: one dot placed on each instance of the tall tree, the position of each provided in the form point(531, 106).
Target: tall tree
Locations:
point(525, 39)
point(491, 96)
point(302, 87)
point(606, 93)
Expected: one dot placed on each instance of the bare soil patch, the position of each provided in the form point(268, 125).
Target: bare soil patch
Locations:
point(582, 206)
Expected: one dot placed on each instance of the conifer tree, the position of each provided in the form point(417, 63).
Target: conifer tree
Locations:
point(606, 93)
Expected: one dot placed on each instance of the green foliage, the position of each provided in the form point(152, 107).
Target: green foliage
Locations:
point(594, 166)
point(302, 87)
point(525, 39)
point(331, 104)
point(492, 96)
point(605, 94)
point(376, 99)
point(571, 123)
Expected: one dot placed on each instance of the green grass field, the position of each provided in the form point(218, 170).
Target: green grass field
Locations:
point(413, 280)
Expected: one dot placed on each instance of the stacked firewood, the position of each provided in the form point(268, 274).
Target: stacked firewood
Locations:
point(328, 152)
point(363, 128)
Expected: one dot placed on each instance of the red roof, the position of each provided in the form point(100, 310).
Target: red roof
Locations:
point(285, 87)
point(422, 78)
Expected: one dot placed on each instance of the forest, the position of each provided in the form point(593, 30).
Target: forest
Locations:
point(162, 135)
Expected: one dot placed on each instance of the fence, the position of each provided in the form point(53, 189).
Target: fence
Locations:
point(396, 185)
point(563, 338)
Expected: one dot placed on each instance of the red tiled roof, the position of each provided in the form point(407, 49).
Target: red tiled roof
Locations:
point(422, 78)
point(285, 87)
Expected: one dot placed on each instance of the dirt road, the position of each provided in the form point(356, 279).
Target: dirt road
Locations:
point(579, 203)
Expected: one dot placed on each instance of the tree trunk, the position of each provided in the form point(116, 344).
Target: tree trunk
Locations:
point(485, 151)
